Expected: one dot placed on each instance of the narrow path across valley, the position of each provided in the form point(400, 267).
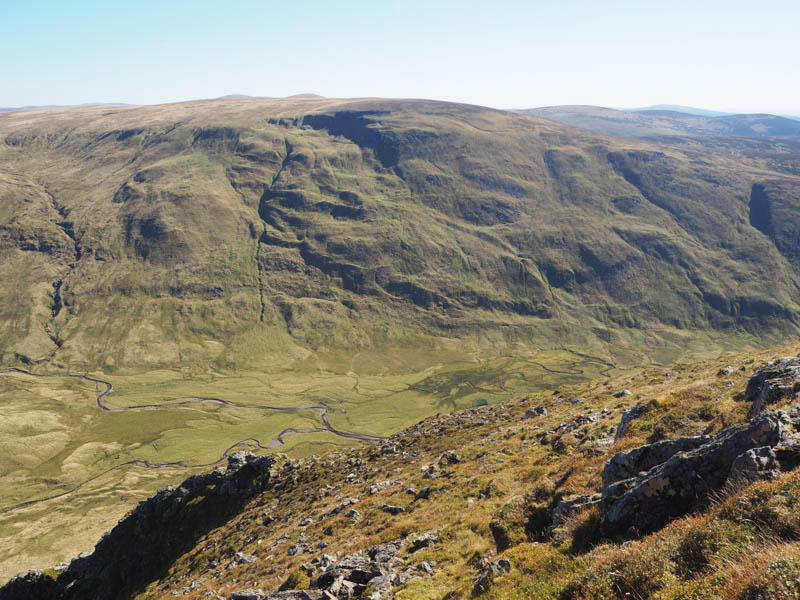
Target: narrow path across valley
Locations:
point(108, 388)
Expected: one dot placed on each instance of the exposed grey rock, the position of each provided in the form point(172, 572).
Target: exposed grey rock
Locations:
point(403, 578)
point(352, 514)
point(628, 416)
point(449, 457)
point(391, 509)
point(33, 584)
point(566, 509)
point(773, 382)
point(249, 594)
point(297, 595)
point(683, 482)
point(503, 565)
point(426, 567)
point(429, 538)
point(625, 465)
point(384, 553)
point(424, 493)
point(350, 577)
point(622, 393)
point(754, 465)
point(389, 448)
point(339, 508)
point(486, 578)
point(379, 485)
point(537, 411)
point(788, 455)
point(243, 558)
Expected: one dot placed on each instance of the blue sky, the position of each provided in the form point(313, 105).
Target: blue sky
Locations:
point(502, 53)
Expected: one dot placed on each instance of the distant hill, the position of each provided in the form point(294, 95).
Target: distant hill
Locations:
point(689, 110)
point(654, 123)
point(348, 224)
point(18, 108)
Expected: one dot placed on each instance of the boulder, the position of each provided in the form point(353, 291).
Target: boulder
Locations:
point(391, 509)
point(449, 457)
point(537, 411)
point(353, 575)
point(339, 508)
point(427, 539)
point(290, 595)
point(249, 594)
point(492, 570)
point(628, 416)
point(424, 493)
point(754, 465)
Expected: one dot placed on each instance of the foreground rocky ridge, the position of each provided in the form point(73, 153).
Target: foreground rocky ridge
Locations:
point(480, 502)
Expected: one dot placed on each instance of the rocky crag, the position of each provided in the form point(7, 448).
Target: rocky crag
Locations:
point(150, 537)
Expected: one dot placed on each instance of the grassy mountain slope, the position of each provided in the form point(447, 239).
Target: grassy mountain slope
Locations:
point(650, 123)
point(493, 475)
point(241, 232)
point(492, 503)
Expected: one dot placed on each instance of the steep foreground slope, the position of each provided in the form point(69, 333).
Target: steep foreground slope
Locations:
point(548, 496)
point(243, 232)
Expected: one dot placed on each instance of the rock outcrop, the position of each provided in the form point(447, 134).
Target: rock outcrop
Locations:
point(371, 573)
point(627, 416)
point(625, 465)
point(565, 510)
point(146, 541)
point(775, 381)
point(645, 488)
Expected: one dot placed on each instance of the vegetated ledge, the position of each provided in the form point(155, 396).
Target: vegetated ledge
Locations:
point(643, 489)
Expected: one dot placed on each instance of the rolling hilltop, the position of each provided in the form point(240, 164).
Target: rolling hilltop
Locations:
point(239, 232)
point(650, 123)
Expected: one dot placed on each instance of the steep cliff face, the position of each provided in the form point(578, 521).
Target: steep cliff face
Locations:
point(772, 206)
point(145, 236)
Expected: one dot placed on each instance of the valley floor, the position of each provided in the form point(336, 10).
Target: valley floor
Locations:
point(79, 451)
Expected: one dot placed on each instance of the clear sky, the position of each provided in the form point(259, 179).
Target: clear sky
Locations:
point(729, 54)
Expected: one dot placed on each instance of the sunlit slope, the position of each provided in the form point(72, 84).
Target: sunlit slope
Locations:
point(251, 232)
